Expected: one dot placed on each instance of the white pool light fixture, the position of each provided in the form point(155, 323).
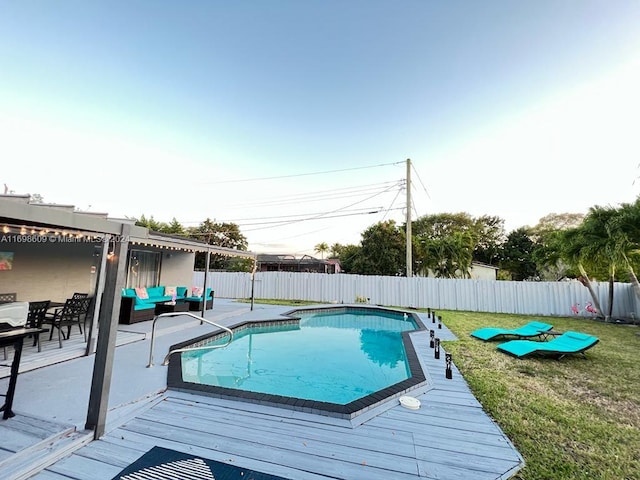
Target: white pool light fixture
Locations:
point(410, 402)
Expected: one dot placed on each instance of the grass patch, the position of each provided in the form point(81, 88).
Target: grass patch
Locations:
point(576, 418)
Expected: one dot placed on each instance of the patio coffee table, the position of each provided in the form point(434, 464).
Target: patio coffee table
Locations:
point(170, 307)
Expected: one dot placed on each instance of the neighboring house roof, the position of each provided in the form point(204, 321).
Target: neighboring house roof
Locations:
point(485, 265)
point(270, 258)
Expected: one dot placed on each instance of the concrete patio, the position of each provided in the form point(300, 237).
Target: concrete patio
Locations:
point(450, 436)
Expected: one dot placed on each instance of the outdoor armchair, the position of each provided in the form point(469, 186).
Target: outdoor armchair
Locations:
point(565, 344)
point(531, 329)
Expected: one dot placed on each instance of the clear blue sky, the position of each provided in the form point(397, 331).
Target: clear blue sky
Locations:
point(515, 109)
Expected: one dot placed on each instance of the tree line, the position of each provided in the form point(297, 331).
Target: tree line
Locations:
point(603, 245)
point(220, 234)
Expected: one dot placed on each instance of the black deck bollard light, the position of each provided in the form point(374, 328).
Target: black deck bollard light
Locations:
point(436, 353)
point(432, 333)
point(433, 317)
point(447, 370)
point(428, 312)
point(440, 321)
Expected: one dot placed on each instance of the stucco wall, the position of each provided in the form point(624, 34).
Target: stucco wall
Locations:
point(50, 270)
point(177, 268)
point(54, 271)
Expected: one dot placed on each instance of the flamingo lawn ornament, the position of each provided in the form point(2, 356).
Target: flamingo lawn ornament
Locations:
point(589, 308)
point(575, 308)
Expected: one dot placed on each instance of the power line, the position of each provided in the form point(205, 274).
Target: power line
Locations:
point(288, 237)
point(327, 213)
point(322, 217)
point(420, 180)
point(298, 200)
point(310, 196)
point(300, 174)
point(319, 195)
point(240, 220)
point(392, 202)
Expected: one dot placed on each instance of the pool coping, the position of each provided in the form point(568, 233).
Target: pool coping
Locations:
point(418, 378)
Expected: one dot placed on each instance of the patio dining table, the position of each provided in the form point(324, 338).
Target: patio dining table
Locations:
point(16, 338)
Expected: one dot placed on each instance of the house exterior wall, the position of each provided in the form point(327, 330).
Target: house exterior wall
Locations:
point(50, 270)
point(55, 270)
point(177, 268)
point(482, 272)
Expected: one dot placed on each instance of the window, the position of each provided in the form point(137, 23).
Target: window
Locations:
point(144, 269)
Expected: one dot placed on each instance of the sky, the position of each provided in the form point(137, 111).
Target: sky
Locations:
point(295, 119)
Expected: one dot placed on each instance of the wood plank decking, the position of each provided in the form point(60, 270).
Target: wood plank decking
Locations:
point(51, 353)
point(449, 437)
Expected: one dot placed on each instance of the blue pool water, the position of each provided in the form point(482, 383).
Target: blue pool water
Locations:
point(331, 356)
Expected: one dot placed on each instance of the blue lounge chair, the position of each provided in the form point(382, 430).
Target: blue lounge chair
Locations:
point(531, 329)
point(565, 344)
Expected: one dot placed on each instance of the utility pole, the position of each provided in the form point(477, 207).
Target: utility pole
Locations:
point(409, 255)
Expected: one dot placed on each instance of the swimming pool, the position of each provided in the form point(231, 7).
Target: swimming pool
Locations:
point(335, 360)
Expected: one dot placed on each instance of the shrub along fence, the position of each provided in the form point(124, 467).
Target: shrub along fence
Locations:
point(529, 298)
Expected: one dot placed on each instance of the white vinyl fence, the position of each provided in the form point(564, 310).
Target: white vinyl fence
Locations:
point(530, 298)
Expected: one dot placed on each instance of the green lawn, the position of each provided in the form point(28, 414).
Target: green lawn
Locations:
point(575, 418)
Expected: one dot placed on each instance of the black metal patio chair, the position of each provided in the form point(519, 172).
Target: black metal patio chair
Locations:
point(35, 318)
point(74, 312)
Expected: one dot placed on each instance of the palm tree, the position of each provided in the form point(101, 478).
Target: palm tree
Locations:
point(448, 257)
point(335, 250)
point(321, 248)
point(627, 224)
point(601, 243)
point(573, 243)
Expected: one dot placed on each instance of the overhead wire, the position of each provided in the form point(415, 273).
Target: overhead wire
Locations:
point(420, 180)
point(322, 195)
point(346, 192)
point(327, 213)
point(300, 174)
point(392, 203)
point(381, 188)
point(240, 222)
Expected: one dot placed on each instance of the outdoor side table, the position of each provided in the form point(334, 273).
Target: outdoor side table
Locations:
point(14, 337)
point(194, 305)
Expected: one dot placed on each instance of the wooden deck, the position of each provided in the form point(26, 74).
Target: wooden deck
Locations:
point(51, 352)
point(449, 437)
